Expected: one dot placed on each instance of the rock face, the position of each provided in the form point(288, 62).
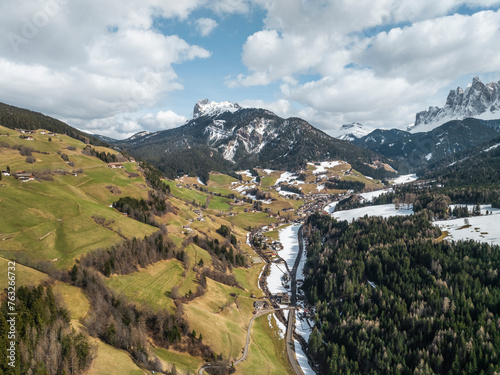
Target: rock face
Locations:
point(478, 100)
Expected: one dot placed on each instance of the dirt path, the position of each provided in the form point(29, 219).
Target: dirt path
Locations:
point(247, 344)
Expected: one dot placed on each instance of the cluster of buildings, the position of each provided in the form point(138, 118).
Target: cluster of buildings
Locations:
point(29, 137)
point(20, 175)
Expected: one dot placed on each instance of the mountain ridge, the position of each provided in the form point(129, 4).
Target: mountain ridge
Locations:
point(478, 100)
point(243, 138)
point(415, 150)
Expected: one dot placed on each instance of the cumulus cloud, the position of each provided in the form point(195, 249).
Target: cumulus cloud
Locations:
point(161, 120)
point(373, 61)
point(205, 26)
point(281, 107)
point(89, 61)
point(444, 48)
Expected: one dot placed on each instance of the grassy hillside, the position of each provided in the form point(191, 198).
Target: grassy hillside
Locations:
point(13, 117)
point(53, 218)
point(267, 351)
point(24, 275)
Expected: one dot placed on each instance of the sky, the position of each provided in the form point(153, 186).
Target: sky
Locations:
point(117, 67)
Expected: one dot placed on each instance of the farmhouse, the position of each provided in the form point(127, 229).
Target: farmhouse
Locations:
point(259, 304)
point(115, 165)
point(25, 176)
point(6, 173)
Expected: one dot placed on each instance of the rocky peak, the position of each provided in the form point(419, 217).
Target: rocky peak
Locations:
point(207, 107)
point(477, 100)
point(349, 132)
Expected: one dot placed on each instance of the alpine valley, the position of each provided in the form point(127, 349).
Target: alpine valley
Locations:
point(242, 242)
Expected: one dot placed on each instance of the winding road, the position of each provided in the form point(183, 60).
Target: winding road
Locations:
point(247, 344)
point(290, 345)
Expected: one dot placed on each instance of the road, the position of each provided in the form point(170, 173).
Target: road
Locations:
point(290, 345)
point(247, 344)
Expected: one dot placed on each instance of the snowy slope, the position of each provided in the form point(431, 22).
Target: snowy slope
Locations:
point(207, 107)
point(352, 131)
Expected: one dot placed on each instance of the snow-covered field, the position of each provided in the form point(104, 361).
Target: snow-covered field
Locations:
point(286, 177)
point(404, 179)
point(485, 228)
point(274, 279)
point(290, 242)
point(245, 173)
point(285, 193)
point(384, 210)
point(322, 167)
point(330, 208)
point(302, 359)
point(368, 197)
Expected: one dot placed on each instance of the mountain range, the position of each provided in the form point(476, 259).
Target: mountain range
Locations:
point(225, 137)
point(414, 150)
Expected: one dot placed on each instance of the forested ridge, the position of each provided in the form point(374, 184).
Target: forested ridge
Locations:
point(390, 298)
point(45, 342)
point(13, 117)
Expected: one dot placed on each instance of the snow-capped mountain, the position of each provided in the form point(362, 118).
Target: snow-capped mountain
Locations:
point(352, 131)
point(419, 149)
point(207, 107)
point(477, 100)
point(225, 134)
point(140, 134)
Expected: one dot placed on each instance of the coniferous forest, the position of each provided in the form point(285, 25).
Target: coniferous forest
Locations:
point(391, 298)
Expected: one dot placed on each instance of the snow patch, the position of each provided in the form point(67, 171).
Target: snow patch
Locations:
point(322, 167)
point(281, 327)
point(210, 108)
point(368, 197)
point(286, 177)
point(491, 148)
point(404, 179)
point(384, 210)
point(302, 359)
point(482, 228)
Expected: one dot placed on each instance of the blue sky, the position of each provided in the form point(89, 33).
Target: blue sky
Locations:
point(116, 67)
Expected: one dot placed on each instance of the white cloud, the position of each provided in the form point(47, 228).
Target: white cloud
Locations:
point(161, 120)
point(444, 48)
point(229, 6)
point(205, 26)
point(91, 60)
point(281, 107)
point(381, 78)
